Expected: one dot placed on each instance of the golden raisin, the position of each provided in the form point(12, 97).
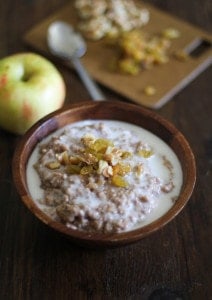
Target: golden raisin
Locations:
point(171, 33)
point(100, 145)
point(126, 154)
point(74, 160)
point(181, 55)
point(129, 66)
point(121, 169)
point(150, 90)
point(61, 157)
point(86, 170)
point(53, 165)
point(119, 181)
point(145, 153)
point(73, 169)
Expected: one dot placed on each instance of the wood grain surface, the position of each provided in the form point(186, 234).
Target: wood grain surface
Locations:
point(174, 263)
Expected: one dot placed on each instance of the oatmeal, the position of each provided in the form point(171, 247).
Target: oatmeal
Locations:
point(104, 176)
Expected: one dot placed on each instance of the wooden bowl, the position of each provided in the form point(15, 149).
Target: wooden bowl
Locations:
point(114, 111)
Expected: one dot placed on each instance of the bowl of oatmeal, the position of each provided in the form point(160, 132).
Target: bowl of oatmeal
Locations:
point(104, 173)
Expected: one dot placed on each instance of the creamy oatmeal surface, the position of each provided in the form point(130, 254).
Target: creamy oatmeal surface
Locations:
point(105, 176)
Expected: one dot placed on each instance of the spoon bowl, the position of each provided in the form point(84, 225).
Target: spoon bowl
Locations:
point(64, 42)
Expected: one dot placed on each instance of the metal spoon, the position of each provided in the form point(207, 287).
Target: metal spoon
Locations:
point(65, 43)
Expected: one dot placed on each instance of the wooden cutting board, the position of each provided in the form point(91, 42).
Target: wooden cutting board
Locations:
point(168, 79)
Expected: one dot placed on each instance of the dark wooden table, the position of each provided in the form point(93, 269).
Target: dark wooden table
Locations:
point(174, 263)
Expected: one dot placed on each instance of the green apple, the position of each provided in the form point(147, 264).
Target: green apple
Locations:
point(30, 88)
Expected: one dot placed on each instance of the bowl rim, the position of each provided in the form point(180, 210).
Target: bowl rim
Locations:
point(32, 137)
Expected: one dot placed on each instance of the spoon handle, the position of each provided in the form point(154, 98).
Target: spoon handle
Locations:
point(91, 86)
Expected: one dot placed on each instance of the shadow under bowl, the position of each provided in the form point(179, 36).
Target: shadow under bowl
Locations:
point(130, 113)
